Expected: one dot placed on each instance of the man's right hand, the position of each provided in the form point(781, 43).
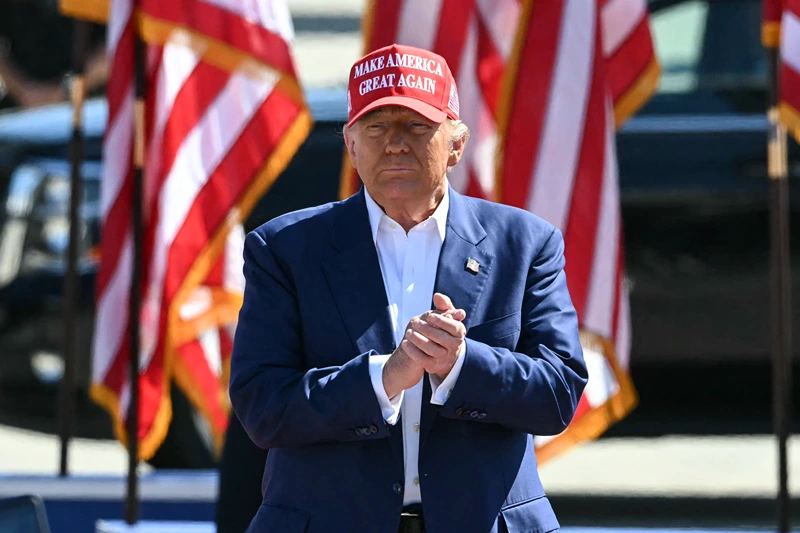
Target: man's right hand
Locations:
point(401, 371)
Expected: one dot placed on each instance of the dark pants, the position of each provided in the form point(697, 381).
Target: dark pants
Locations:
point(240, 472)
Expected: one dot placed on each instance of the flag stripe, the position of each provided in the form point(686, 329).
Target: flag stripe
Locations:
point(581, 220)
point(626, 66)
point(417, 25)
point(598, 316)
point(534, 76)
point(566, 113)
point(385, 16)
point(451, 36)
point(620, 18)
point(225, 27)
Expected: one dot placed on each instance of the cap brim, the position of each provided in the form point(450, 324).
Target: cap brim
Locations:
point(426, 110)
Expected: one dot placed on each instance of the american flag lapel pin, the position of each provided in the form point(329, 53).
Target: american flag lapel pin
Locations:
point(472, 265)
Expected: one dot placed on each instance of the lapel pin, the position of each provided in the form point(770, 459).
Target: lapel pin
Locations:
point(472, 265)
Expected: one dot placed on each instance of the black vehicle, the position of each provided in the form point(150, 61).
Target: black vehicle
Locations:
point(694, 198)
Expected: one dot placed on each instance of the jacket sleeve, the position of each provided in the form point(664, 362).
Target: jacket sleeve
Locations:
point(281, 402)
point(535, 389)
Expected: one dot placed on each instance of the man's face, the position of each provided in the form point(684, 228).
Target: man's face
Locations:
point(400, 155)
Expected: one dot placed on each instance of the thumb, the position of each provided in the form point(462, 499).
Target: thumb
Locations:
point(442, 302)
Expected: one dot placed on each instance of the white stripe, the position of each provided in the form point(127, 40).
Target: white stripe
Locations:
point(468, 91)
point(623, 337)
point(602, 283)
point(155, 486)
point(619, 19)
point(233, 273)
point(198, 156)
point(563, 129)
point(480, 156)
point(419, 23)
point(209, 342)
point(273, 15)
point(117, 20)
point(790, 40)
point(117, 154)
point(602, 383)
point(111, 318)
point(501, 18)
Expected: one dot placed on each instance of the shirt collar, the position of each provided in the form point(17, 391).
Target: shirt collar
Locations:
point(376, 214)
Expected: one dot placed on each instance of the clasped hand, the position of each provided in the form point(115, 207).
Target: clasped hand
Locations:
point(432, 343)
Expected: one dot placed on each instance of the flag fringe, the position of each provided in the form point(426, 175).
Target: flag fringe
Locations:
point(596, 421)
point(638, 94)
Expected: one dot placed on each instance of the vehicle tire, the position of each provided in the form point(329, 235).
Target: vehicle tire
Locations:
point(188, 444)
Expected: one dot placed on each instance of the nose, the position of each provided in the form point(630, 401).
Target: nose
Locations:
point(397, 142)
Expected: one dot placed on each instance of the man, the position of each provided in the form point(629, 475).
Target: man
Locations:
point(396, 351)
point(36, 44)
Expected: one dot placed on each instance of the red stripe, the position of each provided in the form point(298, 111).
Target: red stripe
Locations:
point(790, 86)
point(771, 10)
point(117, 373)
point(530, 99)
point(115, 227)
point(581, 229)
point(195, 362)
point(225, 343)
point(629, 61)
point(120, 79)
point(385, 18)
point(583, 407)
point(451, 35)
point(490, 67)
point(226, 27)
point(192, 101)
point(226, 184)
point(474, 188)
point(219, 194)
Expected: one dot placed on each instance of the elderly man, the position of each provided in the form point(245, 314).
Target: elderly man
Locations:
point(396, 351)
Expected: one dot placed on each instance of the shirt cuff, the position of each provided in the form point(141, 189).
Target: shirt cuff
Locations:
point(440, 389)
point(390, 407)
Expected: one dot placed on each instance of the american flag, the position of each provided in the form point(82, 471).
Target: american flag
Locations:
point(224, 114)
point(781, 28)
point(544, 87)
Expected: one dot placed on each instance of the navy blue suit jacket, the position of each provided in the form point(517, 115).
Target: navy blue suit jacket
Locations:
point(315, 309)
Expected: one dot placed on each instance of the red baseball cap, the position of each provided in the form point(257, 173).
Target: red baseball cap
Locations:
point(403, 76)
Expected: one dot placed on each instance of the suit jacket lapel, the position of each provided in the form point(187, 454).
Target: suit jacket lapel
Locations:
point(458, 280)
point(354, 276)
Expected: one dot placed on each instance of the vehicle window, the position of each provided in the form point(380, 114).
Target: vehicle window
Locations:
point(709, 45)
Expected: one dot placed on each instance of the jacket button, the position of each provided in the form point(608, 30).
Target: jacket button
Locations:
point(397, 488)
point(474, 414)
point(482, 415)
point(373, 429)
point(359, 432)
point(459, 411)
point(351, 432)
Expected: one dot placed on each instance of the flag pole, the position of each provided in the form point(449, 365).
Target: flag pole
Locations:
point(134, 301)
point(71, 289)
point(777, 165)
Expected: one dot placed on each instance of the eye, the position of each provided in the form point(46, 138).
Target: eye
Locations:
point(420, 126)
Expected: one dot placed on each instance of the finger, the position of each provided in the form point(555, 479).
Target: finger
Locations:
point(449, 325)
point(442, 302)
point(427, 346)
point(455, 314)
point(415, 354)
point(437, 335)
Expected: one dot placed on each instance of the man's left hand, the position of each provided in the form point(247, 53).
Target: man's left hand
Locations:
point(440, 336)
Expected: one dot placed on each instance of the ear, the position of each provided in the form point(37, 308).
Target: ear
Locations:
point(456, 152)
point(350, 144)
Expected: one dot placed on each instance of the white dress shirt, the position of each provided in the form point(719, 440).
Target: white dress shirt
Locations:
point(408, 264)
